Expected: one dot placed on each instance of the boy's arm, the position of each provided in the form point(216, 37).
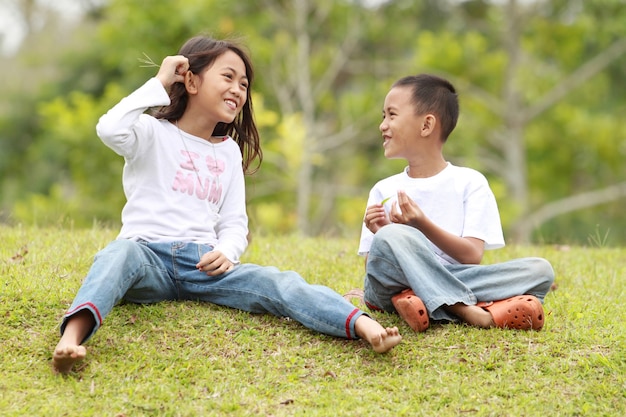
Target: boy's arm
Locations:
point(466, 250)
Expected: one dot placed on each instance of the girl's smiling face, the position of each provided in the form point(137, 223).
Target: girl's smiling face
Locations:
point(401, 126)
point(223, 88)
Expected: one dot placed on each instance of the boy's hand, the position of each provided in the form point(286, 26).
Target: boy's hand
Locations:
point(406, 211)
point(375, 217)
point(173, 70)
point(214, 263)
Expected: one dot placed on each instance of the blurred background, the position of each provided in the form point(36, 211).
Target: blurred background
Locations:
point(541, 84)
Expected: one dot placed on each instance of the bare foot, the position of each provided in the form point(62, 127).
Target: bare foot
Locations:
point(472, 315)
point(65, 356)
point(69, 349)
point(381, 339)
point(386, 340)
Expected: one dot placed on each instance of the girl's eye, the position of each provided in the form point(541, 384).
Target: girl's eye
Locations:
point(244, 85)
point(229, 76)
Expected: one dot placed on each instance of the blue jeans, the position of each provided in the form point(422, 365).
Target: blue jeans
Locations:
point(142, 272)
point(400, 258)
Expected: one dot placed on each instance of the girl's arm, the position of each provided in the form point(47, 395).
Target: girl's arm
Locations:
point(120, 126)
point(232, 227)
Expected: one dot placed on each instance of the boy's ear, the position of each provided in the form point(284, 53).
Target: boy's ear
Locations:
point(428, 125)
point(191, 83)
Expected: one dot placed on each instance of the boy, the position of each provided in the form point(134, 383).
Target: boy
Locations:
point(425, 230)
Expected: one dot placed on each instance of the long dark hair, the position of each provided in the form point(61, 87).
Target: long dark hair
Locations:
point(202, 51)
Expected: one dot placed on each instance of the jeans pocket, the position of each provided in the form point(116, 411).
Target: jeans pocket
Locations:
point(202, 249)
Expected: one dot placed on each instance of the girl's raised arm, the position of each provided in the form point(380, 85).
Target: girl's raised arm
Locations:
point(173, 70)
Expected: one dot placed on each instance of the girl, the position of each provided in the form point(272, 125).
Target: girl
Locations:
point(184, 225)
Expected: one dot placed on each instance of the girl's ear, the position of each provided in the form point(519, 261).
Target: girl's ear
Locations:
point(191, 82)
point(428, 125)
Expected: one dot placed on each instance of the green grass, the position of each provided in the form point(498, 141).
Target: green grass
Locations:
point(193, 359)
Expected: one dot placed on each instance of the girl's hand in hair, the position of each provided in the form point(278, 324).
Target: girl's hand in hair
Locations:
point(173, 70)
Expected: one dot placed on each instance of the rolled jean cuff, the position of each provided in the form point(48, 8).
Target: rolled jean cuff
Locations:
point(351, 321)
point(86, 306)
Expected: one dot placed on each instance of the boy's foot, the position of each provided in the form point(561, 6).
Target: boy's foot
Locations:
point(65, 356)
point(474, 315)
point(381, 339)
point(411, 308)
point(523, 312)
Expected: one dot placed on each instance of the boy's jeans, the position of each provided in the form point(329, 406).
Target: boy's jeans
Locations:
point(400, 258)
point(142, 272)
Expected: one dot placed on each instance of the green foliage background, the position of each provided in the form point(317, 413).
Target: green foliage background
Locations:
point(54, 169)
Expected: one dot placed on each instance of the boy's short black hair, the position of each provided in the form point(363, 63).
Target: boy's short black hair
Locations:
point(433, 94)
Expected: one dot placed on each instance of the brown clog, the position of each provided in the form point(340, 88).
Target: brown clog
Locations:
point(411, 308)
point(522, 312)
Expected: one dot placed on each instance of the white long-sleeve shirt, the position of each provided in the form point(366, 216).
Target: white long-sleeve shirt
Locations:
point(178, 187)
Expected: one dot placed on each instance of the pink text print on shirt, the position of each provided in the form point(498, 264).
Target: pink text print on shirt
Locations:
point(188, 179)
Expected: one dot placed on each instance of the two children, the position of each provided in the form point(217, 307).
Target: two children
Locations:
point(425, 229)
point(185, 223)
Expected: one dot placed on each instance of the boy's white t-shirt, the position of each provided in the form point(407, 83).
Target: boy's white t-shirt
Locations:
point(457, 199)
point(178, 187)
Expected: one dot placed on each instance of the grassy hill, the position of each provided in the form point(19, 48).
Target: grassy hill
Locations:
point(193, 359)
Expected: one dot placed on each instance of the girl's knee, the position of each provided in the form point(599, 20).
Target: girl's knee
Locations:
point(120, 247)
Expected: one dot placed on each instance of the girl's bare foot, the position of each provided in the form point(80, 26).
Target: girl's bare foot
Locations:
point(65, 356)
point(386, 340)
point(69, 349)
point(381, 339)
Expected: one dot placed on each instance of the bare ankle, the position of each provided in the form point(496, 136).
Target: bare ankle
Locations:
point(472, 315)
point(78, 327)
point(69, 350)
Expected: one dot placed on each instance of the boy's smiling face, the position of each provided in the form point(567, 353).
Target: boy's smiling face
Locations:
point(401, 126)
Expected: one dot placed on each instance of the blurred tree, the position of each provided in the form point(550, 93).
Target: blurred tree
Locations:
point(526, 78)
point(29, 77)
point(325, 66)
point(539, 84)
